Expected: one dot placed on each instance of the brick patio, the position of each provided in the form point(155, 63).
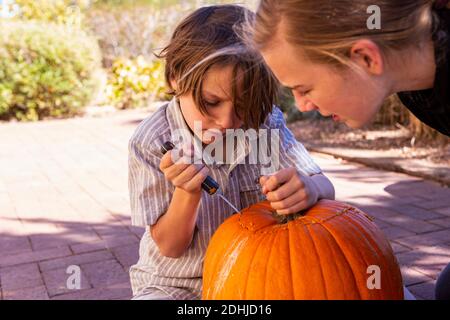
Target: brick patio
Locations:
point(64, 201)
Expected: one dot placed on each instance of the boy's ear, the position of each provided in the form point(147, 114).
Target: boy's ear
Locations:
point(173, 84)
point(367, 55)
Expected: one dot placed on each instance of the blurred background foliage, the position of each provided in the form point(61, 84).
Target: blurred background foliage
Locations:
point(57, 56)
point(49, 65)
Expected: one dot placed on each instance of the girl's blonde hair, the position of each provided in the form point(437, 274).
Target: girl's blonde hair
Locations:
point(326, 30)
point(211, 36)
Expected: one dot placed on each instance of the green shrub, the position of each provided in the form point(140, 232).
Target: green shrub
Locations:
point(131, 32)
point(45, 70)
point(69, 12)
point(132, 28)
point(135, 82)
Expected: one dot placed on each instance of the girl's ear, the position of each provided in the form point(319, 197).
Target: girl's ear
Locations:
point(367, 55)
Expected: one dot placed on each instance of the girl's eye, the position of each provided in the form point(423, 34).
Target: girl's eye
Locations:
point(304, 93)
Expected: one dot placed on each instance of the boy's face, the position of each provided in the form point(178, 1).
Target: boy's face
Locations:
point(217, 93)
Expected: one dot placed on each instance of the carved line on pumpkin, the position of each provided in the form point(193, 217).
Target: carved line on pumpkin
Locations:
point(303, 220)
point(224, 271)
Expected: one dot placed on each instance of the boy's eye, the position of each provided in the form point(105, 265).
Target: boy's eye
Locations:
point(211, 103)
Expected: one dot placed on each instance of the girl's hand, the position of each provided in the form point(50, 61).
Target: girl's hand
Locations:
point(288, 191)
point(182, 173)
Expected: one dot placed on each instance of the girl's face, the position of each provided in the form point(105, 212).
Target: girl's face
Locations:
point(348, 96)
point(217, 92)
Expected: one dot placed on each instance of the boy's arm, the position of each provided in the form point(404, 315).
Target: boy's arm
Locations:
point(174, 230)
point(169, 212)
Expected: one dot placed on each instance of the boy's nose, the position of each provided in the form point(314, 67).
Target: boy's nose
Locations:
point(226, 123)
point(227, 120)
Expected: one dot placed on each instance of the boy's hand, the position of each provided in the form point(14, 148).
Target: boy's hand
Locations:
point(182, 173)
point(289, 192)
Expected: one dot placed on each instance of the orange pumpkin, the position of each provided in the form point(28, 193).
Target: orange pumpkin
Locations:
point(327, 253)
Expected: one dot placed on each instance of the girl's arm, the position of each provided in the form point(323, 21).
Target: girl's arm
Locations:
point(324, 186)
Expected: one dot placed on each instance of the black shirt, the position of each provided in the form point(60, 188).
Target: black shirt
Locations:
point(432, 106)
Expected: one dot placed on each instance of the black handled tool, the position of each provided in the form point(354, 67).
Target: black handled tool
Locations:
point(209, 185)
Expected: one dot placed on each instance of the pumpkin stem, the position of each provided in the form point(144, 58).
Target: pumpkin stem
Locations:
point(285, 218)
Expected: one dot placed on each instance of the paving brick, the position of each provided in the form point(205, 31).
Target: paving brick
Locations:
point(78, 259)
point(378, 212)
point(412, 276)
point(426, 239)
point(15, 228)
point(10, 260)
point(393, 233)
point(14, 244)
point(127, 255)
point(426, 259)
point(397, 219)
point(444, 211)
point(398, 248)
point(382, 224)
point(423, 290)
point(89, 246)
point(108, 243)
point(138, 231)
point(20, 277)
point(111, 230)
point(443, 202)
point(105, 273)
point(56, 281)
point(33, 226)
point(443, 222)
point(409, 200)
point(44, 241)
point(433, 191)
point(416, 212)
point(117, 291)
point(36, 293)
point(419, 226)
point(407, 189)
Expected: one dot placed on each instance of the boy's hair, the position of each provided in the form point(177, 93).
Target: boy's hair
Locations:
point(211, 36)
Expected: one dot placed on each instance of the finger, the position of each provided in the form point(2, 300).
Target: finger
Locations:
point(187, 174)
point(170, 157)
point(197, 180)
point(284, 191)
point(277, 179)
point(287, 202)
point(294, 209)
point(263, 179)
point(176, 169)
point(166, 161)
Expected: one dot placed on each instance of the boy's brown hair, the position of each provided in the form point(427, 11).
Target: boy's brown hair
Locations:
point(211, 36)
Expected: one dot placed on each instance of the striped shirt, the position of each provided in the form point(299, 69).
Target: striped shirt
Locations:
point(151, 193)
